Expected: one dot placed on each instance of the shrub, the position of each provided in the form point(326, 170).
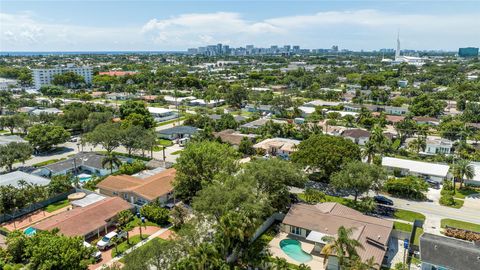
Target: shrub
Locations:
point(132, 168)
point(409, 187)
point(155, 213)
point(462, 234)
point(447, 200)
point(314, 196)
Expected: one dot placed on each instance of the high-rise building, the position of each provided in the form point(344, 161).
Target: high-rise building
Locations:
point(335, 48)
point(44, 76)
point(296, 48)
point(397, 51)
point(468, 52)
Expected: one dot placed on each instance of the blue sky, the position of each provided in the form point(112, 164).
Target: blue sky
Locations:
point(176, 25)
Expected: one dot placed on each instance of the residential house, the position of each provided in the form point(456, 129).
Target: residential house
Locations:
point(322, 103)
point(232, 137)
point(88, 222)
point(82, 163)
point(157, 187)
point(356, 135)
point(14, 178)
point(177, 132)
point(438, 146)
point(425, 120)
point(310, 224)
point(238, 118)
point(402, 83)
point(440, 252)
point(278, 146)
point(263, 109)
point(204, 103)
point(306, 111)
point(46, 111)
point(162, 114)
point(260, 123)
point(392, 110)
point(178, 100)
point(427, 170)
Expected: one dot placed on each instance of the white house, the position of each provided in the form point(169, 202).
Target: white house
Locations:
point(162, 114)
point(396, 110)
point(358, 136)
point(427, 170)
point(278, 146)
point(438, 146)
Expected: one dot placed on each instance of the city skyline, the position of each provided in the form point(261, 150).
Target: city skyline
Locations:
point(177, 26)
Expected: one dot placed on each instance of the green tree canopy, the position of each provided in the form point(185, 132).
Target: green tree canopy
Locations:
point(325, 154)
point(44, 137)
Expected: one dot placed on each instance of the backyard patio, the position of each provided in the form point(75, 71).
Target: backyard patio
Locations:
point(316, 261)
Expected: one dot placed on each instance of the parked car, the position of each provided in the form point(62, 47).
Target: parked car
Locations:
point(109, 239)
point(433, 184)
point(382, 200)
point(97, 255)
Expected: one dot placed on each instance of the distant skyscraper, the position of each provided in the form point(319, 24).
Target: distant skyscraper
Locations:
point(397, 52)
point(335, 48)
point(468, 52)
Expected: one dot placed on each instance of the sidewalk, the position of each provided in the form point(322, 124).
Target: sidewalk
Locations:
point(116, 259)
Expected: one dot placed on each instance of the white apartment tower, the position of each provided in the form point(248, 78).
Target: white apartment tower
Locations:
point(397, 52)
point(44, 76)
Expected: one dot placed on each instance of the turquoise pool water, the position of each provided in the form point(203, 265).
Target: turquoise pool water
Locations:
point(293, 249)
point(84, 179)
point(29, 231)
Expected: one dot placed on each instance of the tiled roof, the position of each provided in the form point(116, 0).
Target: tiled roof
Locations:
point(356, 133)
point(373, 233)
point(81, 221)
point(149, 188)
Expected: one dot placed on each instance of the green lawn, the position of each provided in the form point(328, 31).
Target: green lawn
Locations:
point(408, 215)
point(460, 224)
point(464, 192)
point(164, 142)
point(43, 163)
point(170, 121)
point(408, 228)
point(57, 205)
point(177, 152)
point(124, 245)
point(136, 222)
point(143, 248)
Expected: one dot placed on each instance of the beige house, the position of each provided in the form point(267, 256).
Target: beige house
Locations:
point(140, 191)
point(309, 224)
point(278, 146)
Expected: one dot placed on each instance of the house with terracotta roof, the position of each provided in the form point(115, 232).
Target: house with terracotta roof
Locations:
point(140, 191)
point(89, 221)
point(278, 146)
point(310, 224)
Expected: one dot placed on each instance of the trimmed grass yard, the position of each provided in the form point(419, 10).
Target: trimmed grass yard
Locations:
point(143, 249)
point(408, 228)
point(164, 142)
point(58, 205)
point(177, 152)
point(122, 247)
point(47, 162)
point(408, 215)
point(136, 222)
point(170, 121)
point(460, 224)
point(464, 192)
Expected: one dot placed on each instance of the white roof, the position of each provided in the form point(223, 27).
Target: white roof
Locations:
point(419, 167)
point(13, 178)
point(158, 110)
point(320, 102)
point(307, 110)
point(88, 200)
point(317, 237)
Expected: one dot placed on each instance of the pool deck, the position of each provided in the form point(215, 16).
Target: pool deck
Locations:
point(276, 251)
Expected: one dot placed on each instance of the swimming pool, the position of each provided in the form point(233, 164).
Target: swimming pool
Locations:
point(293, 249)
point(29, 231)
point(84, 179)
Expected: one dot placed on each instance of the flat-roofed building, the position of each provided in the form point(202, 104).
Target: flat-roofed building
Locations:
point(427, 170)
point(14, 178)
point(162, 114)
point(45, 76)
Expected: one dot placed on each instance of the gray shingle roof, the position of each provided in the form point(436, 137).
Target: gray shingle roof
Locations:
point(179, 130)
point(449, 252)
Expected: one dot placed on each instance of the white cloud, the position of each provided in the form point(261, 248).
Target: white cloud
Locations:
point(356, 29)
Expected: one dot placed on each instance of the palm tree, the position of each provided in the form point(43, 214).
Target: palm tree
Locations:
point(343, 246)
point(369, 151)
point(111, 161)
point(418, 144)
point(462, 170)
point(123, 220)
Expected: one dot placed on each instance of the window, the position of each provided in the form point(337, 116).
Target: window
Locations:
point(295, 230)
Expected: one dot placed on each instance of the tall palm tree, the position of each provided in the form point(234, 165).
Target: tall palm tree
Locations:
point(462, 170)
point(111, 161)
point(342, 246)
point(369, 151)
